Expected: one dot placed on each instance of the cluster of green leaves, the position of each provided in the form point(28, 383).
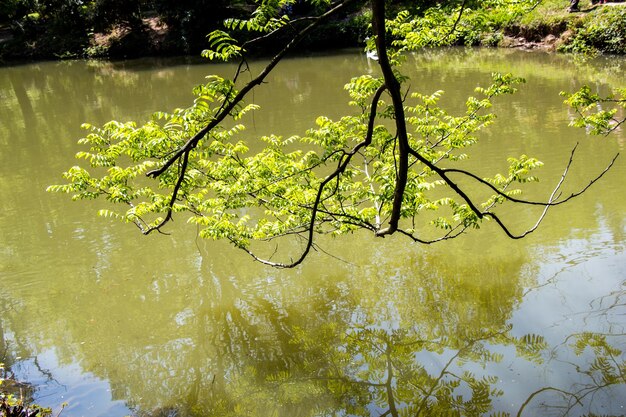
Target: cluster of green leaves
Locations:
point(240, 196)
point(438, 137)
point(464, 24)
point(600, 115)
point(121, 153)
point(266, 18)
point(339, 177)
point(224, 47)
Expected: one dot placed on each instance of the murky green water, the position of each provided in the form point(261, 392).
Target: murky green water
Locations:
point(116, 323)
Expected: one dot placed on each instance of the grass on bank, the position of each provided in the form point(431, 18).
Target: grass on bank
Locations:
point(599, 28)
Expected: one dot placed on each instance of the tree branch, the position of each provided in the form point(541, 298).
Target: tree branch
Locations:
point(458, 19)
point(343, 163)
point(393, 86)
point(226, 109)
point(179, 182)
point(537, 203)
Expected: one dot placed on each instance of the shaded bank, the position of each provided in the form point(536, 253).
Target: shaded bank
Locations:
point(160, 28)
point(168, 31)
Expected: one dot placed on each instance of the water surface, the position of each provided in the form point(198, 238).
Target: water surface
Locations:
point(114, 323)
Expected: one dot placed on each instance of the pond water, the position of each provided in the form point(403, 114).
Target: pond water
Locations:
point(114, 323)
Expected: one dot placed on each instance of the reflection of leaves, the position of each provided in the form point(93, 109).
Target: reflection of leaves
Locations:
point(382, 366)
point(595, 341)
point(531, 347)
point(607, 368)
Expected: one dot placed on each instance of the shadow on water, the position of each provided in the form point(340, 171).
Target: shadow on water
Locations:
point(418, 342)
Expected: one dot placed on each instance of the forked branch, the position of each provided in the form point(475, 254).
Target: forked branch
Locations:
point(319, 215)
point(341, 167)
point(227, 107)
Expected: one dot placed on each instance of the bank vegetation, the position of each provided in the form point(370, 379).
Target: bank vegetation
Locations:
point(60, 29)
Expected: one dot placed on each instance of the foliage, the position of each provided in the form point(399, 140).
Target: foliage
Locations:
point(388, 167)
point(547, 12)
point(601, 31)
point(64, 28)
point(600, 115)
point(275, 179)
point(465, 23)
point(10, 8)
point(105, 14)
point(50, 28)
point(189, 21)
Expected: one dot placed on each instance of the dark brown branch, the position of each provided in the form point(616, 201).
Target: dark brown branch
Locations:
point(615, 126)
point(551, 201)
point(342, 165)
point(441, 172)
point(452, 234)
point(536, 203)
point(545, 210)
point(393, 87)
point(458, 19)
point(227, 108)
point(179, 182)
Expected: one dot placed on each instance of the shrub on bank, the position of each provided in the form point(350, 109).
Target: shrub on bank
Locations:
point(603, 31)
point(597, 29)
point(56, 33)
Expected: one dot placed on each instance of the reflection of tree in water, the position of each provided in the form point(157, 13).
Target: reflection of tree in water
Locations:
point(351, 352)
point(9, 384)
point(410, 335)
point(602, 376)
point(598, 358)
point(352, 344)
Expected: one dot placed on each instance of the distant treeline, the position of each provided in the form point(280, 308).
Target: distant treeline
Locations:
point(54, 29)
point(120, 28)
